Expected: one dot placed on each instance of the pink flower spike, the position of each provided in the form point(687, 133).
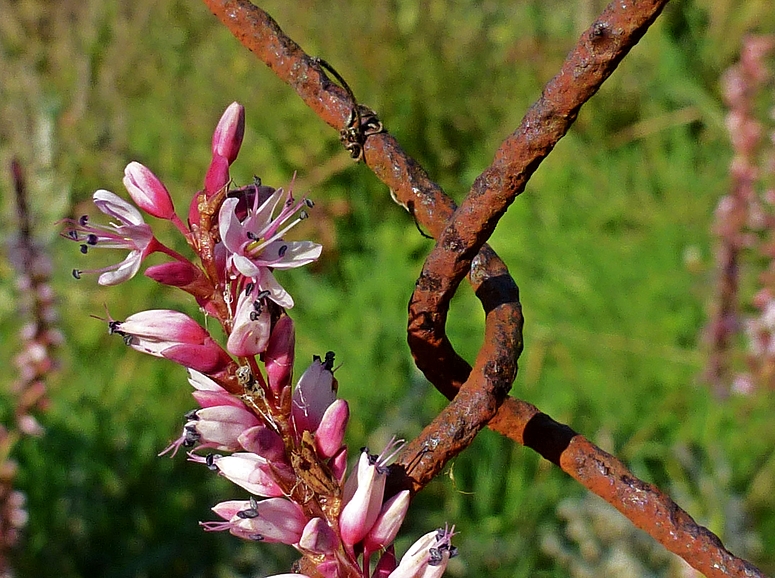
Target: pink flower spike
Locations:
point(428, 556)
point(318, 537)
point(388, 522)
point(227, 138)
point(147, 191)
point(278, 357)
point(330, 432)
point(250, 472)
point(131, 232)
point(252, 324)
point(314, 392)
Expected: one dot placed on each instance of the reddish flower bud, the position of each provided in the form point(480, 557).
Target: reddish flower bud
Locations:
point(227, 138)
point(387, 524)
point(174, 273)
point(264, 442)
point(318, 537)
point(278, 357)
point(330, 432)
point(314, 392)
point(147, 191)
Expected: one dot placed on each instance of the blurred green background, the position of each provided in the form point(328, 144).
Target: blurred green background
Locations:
point(610, 245)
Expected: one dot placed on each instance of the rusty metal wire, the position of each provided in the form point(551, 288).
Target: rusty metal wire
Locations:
point(477, 393)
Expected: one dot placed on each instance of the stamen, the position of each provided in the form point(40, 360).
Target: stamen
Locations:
point(191, 415)
point(256, 537)
point(303, 215)
point(263, 294)
point(282, 251)
point(252, 236)
point(128, 339)
point(309, 203)
point(92, 239)
point(210, 462)
point(73, 234)
point(76, 273)
point(254, 315)
point(329, 362)
point(249, 288)
point(248, 514)
point(114, 327)
point(84, 220)
point(84, 249)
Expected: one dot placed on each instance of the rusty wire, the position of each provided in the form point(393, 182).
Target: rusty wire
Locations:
point(477, 393)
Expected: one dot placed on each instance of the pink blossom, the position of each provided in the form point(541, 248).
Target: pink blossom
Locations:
point(364, 492)
point(252, 324)
point(330, 433)
point(314, 392)
point(278, 357)
point(387, 524)
point(428, 556)
point(248, 471)
point(131, 232)
point(255, 243)
point(147, 191)
point(271, 520)
point(173, 335)
point(216, 426)
point(318, 537)
point(227, 140)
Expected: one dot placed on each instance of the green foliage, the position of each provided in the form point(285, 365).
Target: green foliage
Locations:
point(610, 246)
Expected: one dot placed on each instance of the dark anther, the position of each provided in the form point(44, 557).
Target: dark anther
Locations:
point(128, 339)
point(309, 203)
point(73, 234)
point(303, 215)
point(84, 220)
point(434, 557)
point(262, 295)
point(282, 250)
point(453, 551)
point(114, 327)
point(210, 462)
point(76, 273)
point(84, 249)
point(329, 362)
point(248, 514)
point(364, 449)
point(252, 236)
point(249, 288)
point(191, 415)
point(315, 358)
point(256, 537)
point(190, 438)
point(92, 239)
point(257, 180)
point(254, 315)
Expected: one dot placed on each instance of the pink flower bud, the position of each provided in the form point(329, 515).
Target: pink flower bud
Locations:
point(330, 432)
point(220, 426)
point(428, 557)
point(314, 392)
point(147, 191)
point(278, 357)
point(318, 537)
point(264, 442)
point(208, 358)
point(250, 472)
point(252, 323)
point(272, 520)
point(388, 522)
point(153, 330)
point(217, 176)
point(174, 273)
point(338, 464)
point(227, 138)
point(362, 507)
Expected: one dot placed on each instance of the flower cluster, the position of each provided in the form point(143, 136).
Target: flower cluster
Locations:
point(281, 443)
